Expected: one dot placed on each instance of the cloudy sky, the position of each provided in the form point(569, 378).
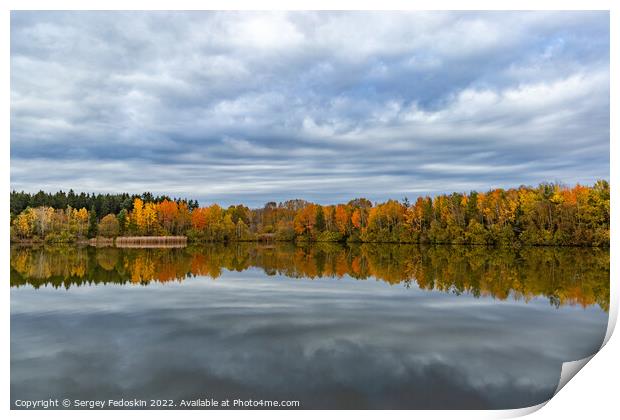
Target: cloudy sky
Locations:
point(251, 107)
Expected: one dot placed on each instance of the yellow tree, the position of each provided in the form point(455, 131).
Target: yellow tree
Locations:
point(150, 224)
point(23, 224)
point(80, 218)
point(229, 227)
point(137, 215)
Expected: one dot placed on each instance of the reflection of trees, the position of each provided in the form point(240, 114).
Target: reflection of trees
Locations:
point(107, 258)
point(574, 276)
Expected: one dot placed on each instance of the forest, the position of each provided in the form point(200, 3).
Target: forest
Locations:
point(549, 214)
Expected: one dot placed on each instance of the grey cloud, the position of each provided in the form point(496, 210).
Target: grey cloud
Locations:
point(327, 106)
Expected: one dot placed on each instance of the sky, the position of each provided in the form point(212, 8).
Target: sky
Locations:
point(249, 107)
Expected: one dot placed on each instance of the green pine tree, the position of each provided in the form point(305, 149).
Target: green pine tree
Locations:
point(92, 222)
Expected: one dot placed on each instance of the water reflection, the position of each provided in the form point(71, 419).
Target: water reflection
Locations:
point(330, 326)
point(565, 276)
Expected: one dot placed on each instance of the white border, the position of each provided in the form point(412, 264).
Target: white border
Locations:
point(593, 394)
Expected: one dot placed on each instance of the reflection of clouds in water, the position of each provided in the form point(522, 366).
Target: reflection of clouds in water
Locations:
point(368, 345)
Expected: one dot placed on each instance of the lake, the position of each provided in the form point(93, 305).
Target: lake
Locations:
point(331, 326)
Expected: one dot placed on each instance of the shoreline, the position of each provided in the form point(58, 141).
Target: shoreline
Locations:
point(184, 241)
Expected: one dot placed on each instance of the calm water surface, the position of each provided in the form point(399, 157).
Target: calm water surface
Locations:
point(371, 326)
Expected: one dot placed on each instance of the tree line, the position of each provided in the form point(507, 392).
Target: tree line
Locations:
point(549, 214)
point(102, 203)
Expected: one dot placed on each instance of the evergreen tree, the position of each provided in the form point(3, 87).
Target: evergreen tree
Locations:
point(320, 219)
point(122, 221)
point(92, 222)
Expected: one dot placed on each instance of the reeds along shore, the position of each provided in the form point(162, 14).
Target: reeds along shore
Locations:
point(151, 241)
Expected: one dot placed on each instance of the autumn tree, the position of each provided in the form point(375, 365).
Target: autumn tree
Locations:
point(305, 219)
point(168, 213)
point(341, 218)
point(150, 222)
point(23, 224)
point(80, 218)
point(109, 226)
point(137, 223)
